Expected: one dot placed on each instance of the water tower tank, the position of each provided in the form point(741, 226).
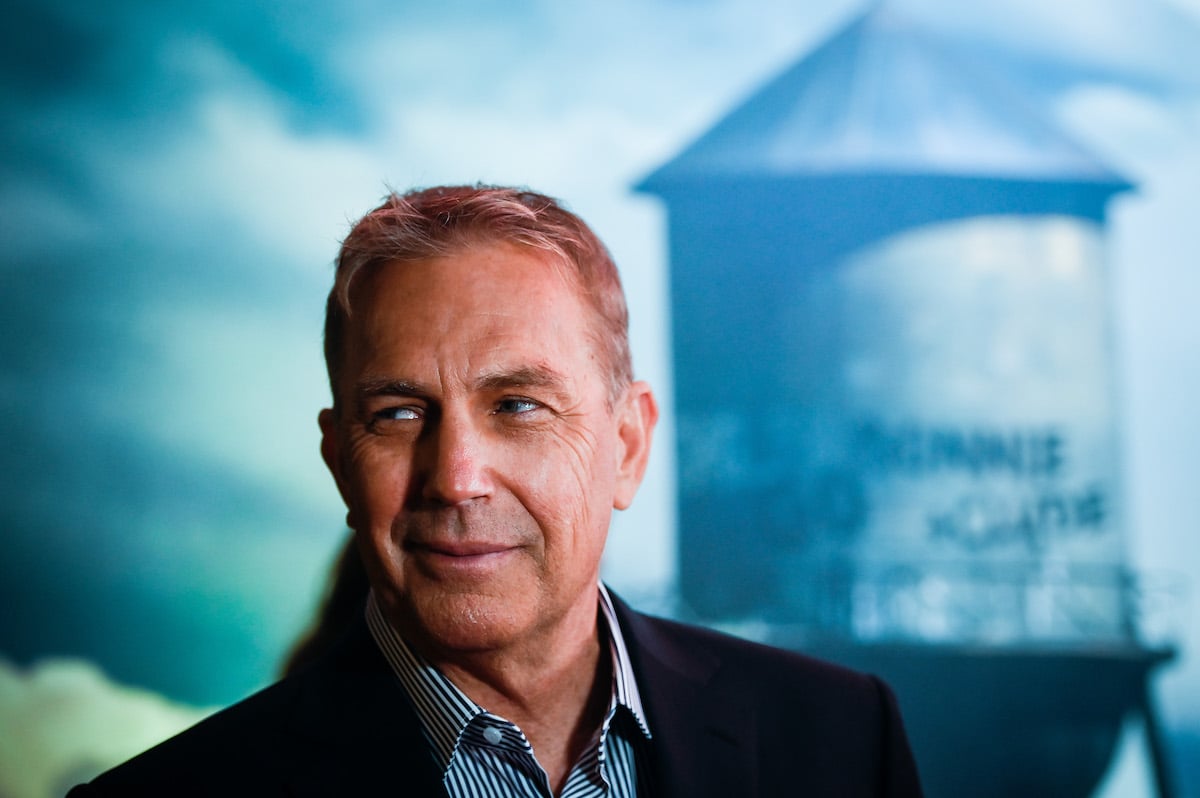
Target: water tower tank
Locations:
point(895, 398)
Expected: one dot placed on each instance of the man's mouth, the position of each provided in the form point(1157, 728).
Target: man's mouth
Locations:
point(461, 548)
point(460, 558)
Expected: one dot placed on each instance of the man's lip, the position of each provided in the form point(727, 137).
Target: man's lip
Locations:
point(462, 548)
point(457, 560)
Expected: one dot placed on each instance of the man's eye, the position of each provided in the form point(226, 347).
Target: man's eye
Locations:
point(514, 404)
point(399, 413)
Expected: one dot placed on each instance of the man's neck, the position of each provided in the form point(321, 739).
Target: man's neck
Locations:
point(557, 689)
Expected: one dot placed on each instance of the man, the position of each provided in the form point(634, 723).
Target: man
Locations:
point(484, 425)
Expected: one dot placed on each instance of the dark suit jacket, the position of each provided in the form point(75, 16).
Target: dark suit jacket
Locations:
point(729, 719)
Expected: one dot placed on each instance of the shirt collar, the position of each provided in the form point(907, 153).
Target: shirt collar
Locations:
point(445, 711)
point(625, 687)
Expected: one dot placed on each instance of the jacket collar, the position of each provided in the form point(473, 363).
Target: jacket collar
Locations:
point(703, 738)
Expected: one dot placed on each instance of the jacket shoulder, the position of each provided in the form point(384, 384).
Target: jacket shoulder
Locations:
point(700, 648)
point(792, 715)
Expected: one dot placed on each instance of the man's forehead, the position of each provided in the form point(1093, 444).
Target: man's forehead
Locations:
point(535, 264)
point(492, 316)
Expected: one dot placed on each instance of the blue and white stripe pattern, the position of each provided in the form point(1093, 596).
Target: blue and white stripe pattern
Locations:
point(485, 756)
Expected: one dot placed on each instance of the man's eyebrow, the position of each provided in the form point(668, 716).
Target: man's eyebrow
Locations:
point(387, 386)
point(537, 376)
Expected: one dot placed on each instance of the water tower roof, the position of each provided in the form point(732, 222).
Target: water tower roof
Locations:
point(885, 97)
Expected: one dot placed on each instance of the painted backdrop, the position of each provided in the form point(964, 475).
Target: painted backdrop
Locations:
point(176, 178)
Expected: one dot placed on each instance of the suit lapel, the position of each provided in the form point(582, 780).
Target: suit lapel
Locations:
point(355, 731)
point(703, 738)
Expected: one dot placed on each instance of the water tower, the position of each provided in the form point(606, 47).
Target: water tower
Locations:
point(895, 404)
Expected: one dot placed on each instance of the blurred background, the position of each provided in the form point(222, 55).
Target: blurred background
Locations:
point(874, 181)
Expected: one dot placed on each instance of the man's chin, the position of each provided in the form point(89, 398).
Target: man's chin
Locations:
point(462, 621)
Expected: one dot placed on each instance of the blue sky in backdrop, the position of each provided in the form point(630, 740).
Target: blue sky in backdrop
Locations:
point(175, 178)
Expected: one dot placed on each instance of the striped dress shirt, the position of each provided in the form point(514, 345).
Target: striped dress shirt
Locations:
point(482, 755)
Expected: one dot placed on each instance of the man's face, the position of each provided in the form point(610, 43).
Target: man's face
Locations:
point(477, 449)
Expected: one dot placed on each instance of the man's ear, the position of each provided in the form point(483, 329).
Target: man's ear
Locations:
point(331, 453)
point(636, 416)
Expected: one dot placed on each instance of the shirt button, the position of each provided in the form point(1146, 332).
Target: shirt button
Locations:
point(492, 735)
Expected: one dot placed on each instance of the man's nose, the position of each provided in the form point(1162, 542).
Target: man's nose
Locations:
point(456, 462)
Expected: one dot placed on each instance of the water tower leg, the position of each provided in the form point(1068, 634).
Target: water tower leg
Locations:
point(1157, 744)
